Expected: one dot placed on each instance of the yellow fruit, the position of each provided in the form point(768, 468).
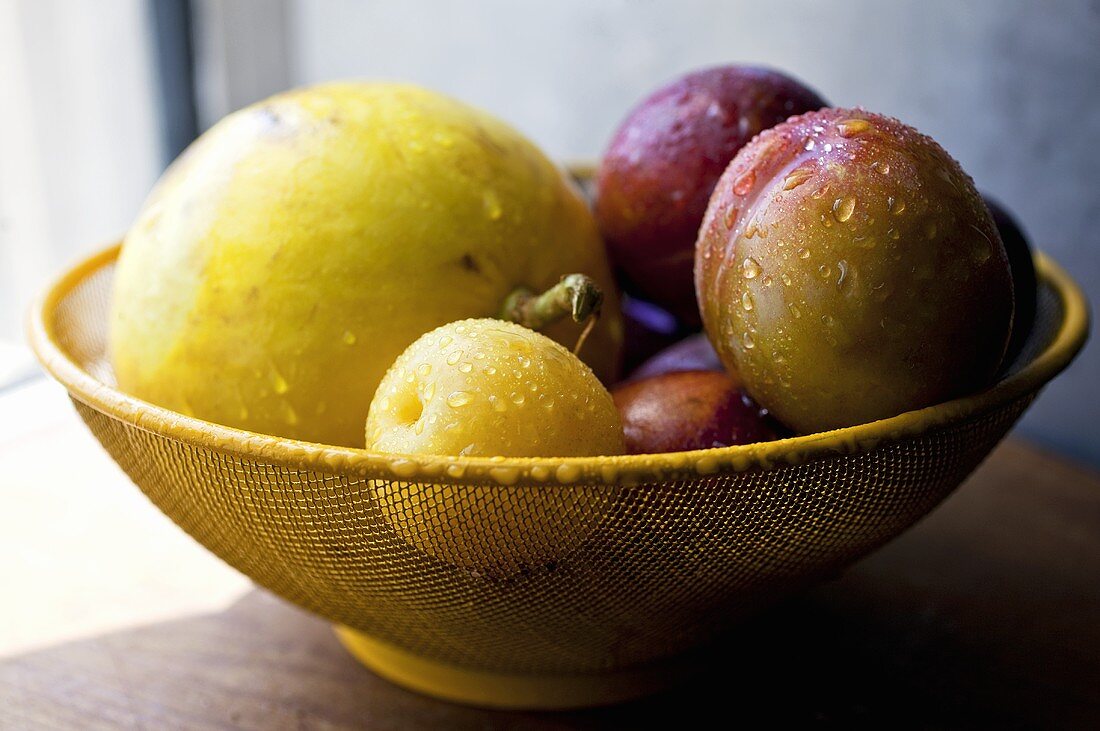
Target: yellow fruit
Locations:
point(299, 246)
point(491, 388)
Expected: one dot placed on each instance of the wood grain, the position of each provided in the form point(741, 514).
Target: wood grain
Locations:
point(985, 614)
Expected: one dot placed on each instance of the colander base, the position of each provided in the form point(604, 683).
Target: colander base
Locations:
point(507, 691)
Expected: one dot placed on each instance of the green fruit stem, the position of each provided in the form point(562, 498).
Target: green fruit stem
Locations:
point(576, 296)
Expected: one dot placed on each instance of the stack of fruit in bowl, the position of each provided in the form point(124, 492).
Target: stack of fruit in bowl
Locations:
point(380, 266)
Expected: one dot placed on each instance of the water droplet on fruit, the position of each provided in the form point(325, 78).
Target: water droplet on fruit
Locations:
point(843, 208)
point(795, 312)
point(492, 205)
point(828, 147)
point(842, 265)
point(750, 268)
point(349, 337)
point(278, 383)
point(429, 391)
point(810, 144)
point(454, 357)
point(881, 167)
point(852, 127)
point(747, 341)
point(893, 233)
point(826, 220)
point(465, 367)
point(498, 404)
point(785, 278)
point(767, 280)
point(980, 250)
point(444, 341)
point(490, 371)
point(897, 205)
point(797, 177)
point(730, 216)
point(746, 301)
point(744, 184)
point(946, 176)
point(458, 399)
point(517, 398)
point(828, 320)
point(825, 271)
point(803, 253)
point(424, 370)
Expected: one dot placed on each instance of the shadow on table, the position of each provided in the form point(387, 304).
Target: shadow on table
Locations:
point(264, 664)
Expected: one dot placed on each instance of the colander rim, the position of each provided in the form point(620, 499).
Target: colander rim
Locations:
point(541, 471)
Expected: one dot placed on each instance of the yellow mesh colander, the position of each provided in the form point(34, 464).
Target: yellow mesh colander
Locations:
point(568, 582)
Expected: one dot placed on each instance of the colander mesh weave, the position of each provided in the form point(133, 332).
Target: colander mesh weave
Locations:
point(636, 572)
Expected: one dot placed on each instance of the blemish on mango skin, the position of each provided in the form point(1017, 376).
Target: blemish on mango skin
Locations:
point(469, 263)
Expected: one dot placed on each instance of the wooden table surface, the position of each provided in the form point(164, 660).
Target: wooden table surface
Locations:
point(987, 614)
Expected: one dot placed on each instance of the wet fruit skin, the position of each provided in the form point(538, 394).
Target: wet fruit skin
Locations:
point(1024, 280)
point(491, 388)
point(849, 271)
point(693, 353)
point(686, 410)
point(661, 165)
point(301, 244)
point(488, 388)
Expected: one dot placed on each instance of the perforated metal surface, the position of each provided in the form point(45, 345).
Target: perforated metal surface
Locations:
point(609, 574)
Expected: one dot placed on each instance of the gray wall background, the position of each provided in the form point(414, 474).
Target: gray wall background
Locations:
point(1011, 89)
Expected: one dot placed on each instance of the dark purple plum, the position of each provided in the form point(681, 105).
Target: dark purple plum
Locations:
point(1025, 284)
point(662, 163)
point(693, 353)
point(647, 330)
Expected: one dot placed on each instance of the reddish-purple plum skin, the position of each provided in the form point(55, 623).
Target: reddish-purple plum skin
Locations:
point(693, 353)
point(1025, 284)
point(848, 270)
point(662, 163)
point(686, 410)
